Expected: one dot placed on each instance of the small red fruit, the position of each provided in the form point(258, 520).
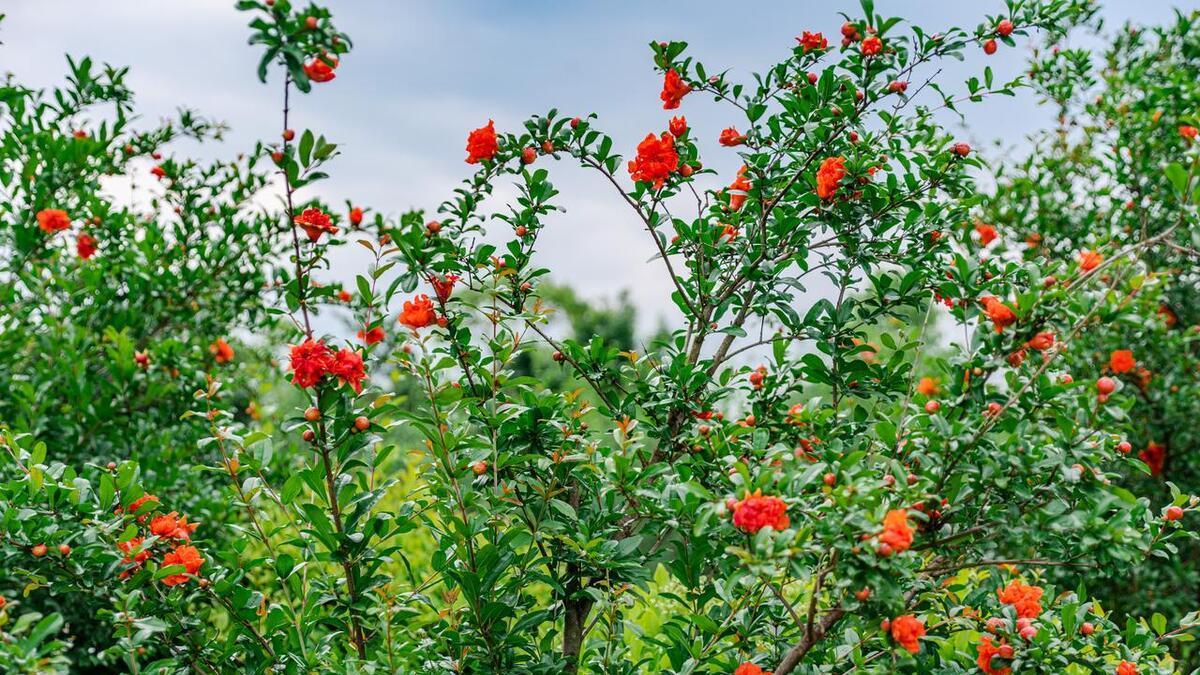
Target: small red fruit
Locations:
point(575, 122)
point(312, 414)
point(1004, 28)
point(1106, 385)
point(547, 147)
point(686, 170)
point(862, 594)
point(277, 157)
point(829, 479)
point(1173, 513)
point(288, 134)
point(362, 422)
point(932, 407)
point(39, 550)
point(962, 149)
point(310, 22)
point(528, 155)
point(989, 47)
point(558, 356)
point(479, 468)
point(309, 435)
point(1087, 628)
point(64, 549)
point(433, 227)
point(897, 86)
point(521, 231)
point(1124, 447)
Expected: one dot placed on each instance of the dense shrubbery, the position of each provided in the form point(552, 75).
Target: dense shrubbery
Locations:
point(870, 498)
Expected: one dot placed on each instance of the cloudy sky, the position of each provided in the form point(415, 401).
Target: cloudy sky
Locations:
point(424, 73)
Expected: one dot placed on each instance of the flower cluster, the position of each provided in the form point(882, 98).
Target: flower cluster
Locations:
point(311, 361)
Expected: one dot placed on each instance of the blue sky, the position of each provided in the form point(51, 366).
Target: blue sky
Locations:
point(424, 73)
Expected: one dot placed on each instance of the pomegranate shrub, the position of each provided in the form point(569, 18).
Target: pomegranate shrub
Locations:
point(792, 484)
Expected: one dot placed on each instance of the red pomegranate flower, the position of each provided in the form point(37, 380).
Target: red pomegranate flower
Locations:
point(134, 554)
point(756, 512)
point(986, 652)
point(674, 89)
point(85, 245)
point(897, 533)
point(1000, 314)
point(1188, 132)
point(315, 223)
point(656, 160)
point(184, 555)
point(171, 526)
point(53, 220)
point(928, 386)
point(1024, 598)
point(748, 668)
point(739, 190)
point(318, 70)
point(811, 41)
point(1042, 341)
point(677, 126)
point(356, 216)
point(730, 137)
point(906, 631)
point(1121, 361)
point(1155, 455)
point(371, 336)
point(348, 368)
point(871, 46)
point(1127, 668)
point(987, 233)
point(1089, 260)
point(443, 286)
point(221, 351)
point(482, 144)
point(311, 360)
point(418, 312)
point(832, 170)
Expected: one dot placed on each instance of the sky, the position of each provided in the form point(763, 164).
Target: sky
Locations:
point(422, 74)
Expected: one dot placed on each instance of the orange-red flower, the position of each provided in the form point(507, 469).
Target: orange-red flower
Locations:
point(443, 286)
point(134, 554)
point(748, 668)
point(1155, 455)
point(906, 631)
point(1188, 132)
point(371, 336)
point(318, 70)
point(311, 360)
point(85, 245)
point(739, 189)
point(184, 555)
point(347, 367)
point(756, 512)
point(221, 351)
point(1000, 314)
point(159, 172)
point(482, 143)
point(137, 504)
point(871, 46)
point(418, 312)
point(832, 170)
point(656, 160)
point(1127, 668)
point(1089, 260)
point(677, 126)
point(1024, 598)
point(730, 137)
point(356, 216)
point(987, 651)
point(674, 89)
point(987, 233)
point(53, 220)
point(315, 223)
point(1042, 341)
point(1168, 315)
point(928, 386)
point(1121, 361)
point(811, 41)
point(171, 526)
point(897, 533)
